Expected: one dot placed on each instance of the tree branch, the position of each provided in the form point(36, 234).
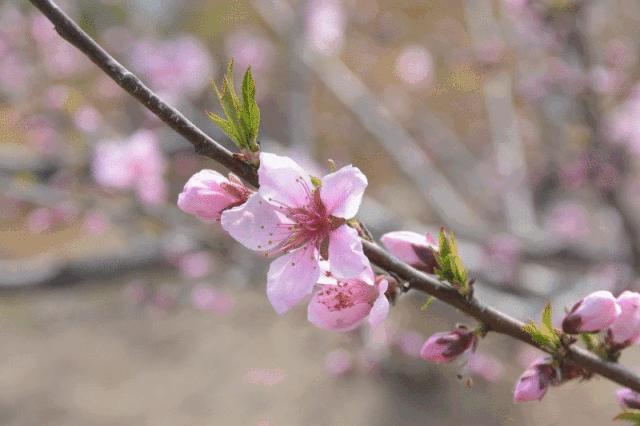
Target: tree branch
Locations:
point(204, 145)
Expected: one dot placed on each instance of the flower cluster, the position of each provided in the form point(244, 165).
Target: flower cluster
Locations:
point(304, 222)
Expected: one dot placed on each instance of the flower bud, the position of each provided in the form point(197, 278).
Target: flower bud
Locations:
point(207, 193)
point(625, 330)
point(345, 305)
point(447, 346)
point(415, 249)
point(592, 314)
point(534, 382)
point(628, 398)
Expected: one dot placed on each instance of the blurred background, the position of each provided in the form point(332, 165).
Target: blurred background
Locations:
point(514, 123)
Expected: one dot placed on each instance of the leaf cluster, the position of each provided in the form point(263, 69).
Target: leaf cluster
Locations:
point(241, 121)
point(544, 335)
point(449, 264)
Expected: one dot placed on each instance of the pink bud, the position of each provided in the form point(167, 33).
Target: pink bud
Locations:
point(447, 346)
point(534, 382)
point(628, 398)
point(592, 314)
point(343, 306)
point(625, 330)
point(412, 248)
point(207, 193)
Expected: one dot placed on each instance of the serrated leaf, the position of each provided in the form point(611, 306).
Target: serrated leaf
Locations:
point(629, 416)
point(241, 120)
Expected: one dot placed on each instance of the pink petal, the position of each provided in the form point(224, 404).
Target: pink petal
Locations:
point(291, 277)
point(283, 181)
point(626, 329)
point(401, 245)
point(345, 253)
point(341, 307)
point(341, 191)
point(380, 308)
point(255, 224)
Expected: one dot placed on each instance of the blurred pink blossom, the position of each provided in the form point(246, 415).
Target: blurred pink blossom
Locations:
point(137, 163)
point(87, 118)
point(568, 220)
point(326, 22)
point(195, 265)
point(486, 366)
point(207, 298)
point(410, 342)
point(178, 67)
point(249, 49)
point(414, 66)
point(338, 362)
point(95, 222)
point(265, 376)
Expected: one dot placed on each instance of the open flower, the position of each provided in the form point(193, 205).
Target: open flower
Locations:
point(625, 330)
point(592, 314)
point(342, 305)
point(535, 381)
point(208, 193)
point(415, 249)
point(292, 217)
point(447, 346)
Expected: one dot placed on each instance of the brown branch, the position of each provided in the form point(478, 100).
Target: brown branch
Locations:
point(495, 320)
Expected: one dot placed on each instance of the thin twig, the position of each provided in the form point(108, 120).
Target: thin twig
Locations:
point(495, 320)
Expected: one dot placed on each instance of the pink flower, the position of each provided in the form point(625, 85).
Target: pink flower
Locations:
point(137, 163)
point(289, 216)
point(343, 305)
point(207, 193)
point(534, 382)
point(628, 398)
point(625, 330)
point(447, 346)
point(412, 248)
point(592, 314)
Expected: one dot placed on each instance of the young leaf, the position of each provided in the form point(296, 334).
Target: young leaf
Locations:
point(629, 416)
point(241, 120)
point(449, 264)
point(545, 334)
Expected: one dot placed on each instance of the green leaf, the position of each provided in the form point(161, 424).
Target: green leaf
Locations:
point(537, 335)
point(545, 334)
point(629, 416)
point(449, 264)
point(427, 303)
point(241, 120)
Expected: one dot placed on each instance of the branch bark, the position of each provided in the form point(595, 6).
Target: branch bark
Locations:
point(204, 145)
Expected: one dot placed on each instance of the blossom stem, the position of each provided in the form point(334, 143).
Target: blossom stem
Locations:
point(204, 145)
